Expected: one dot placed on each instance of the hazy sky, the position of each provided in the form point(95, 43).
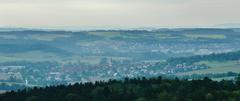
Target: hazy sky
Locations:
point(118, 13)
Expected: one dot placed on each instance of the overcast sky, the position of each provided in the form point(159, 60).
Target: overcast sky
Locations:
point(118, 13)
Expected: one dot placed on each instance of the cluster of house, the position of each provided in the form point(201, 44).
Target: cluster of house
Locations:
point(10, 73)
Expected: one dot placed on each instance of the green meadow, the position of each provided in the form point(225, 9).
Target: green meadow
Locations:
point(216, 67)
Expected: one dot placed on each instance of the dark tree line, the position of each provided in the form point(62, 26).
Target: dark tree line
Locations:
point(136, 89)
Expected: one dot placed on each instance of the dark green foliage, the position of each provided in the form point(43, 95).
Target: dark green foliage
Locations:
point(136, 89)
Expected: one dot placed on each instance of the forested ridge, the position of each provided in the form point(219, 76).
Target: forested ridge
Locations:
point(135, 89)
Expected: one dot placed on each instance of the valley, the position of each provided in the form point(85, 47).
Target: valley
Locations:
point(63, 57)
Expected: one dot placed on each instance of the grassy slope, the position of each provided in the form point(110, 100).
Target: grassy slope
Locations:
point(216, 67)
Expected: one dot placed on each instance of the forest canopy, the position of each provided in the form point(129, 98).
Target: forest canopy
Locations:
point(135, 89)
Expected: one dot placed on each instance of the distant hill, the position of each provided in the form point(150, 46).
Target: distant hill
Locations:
point(228, 25)
point(12, 29)
point(21, 48)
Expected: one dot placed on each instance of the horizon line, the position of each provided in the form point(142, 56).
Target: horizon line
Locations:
point(76, 28)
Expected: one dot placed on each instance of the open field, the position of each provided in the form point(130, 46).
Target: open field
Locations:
point(48, 37)
point(209, 36)
point(224, 78)
point(216, 67)
point(105, 34)
point(8, 36)
point(33, 56)
point(37, 56)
